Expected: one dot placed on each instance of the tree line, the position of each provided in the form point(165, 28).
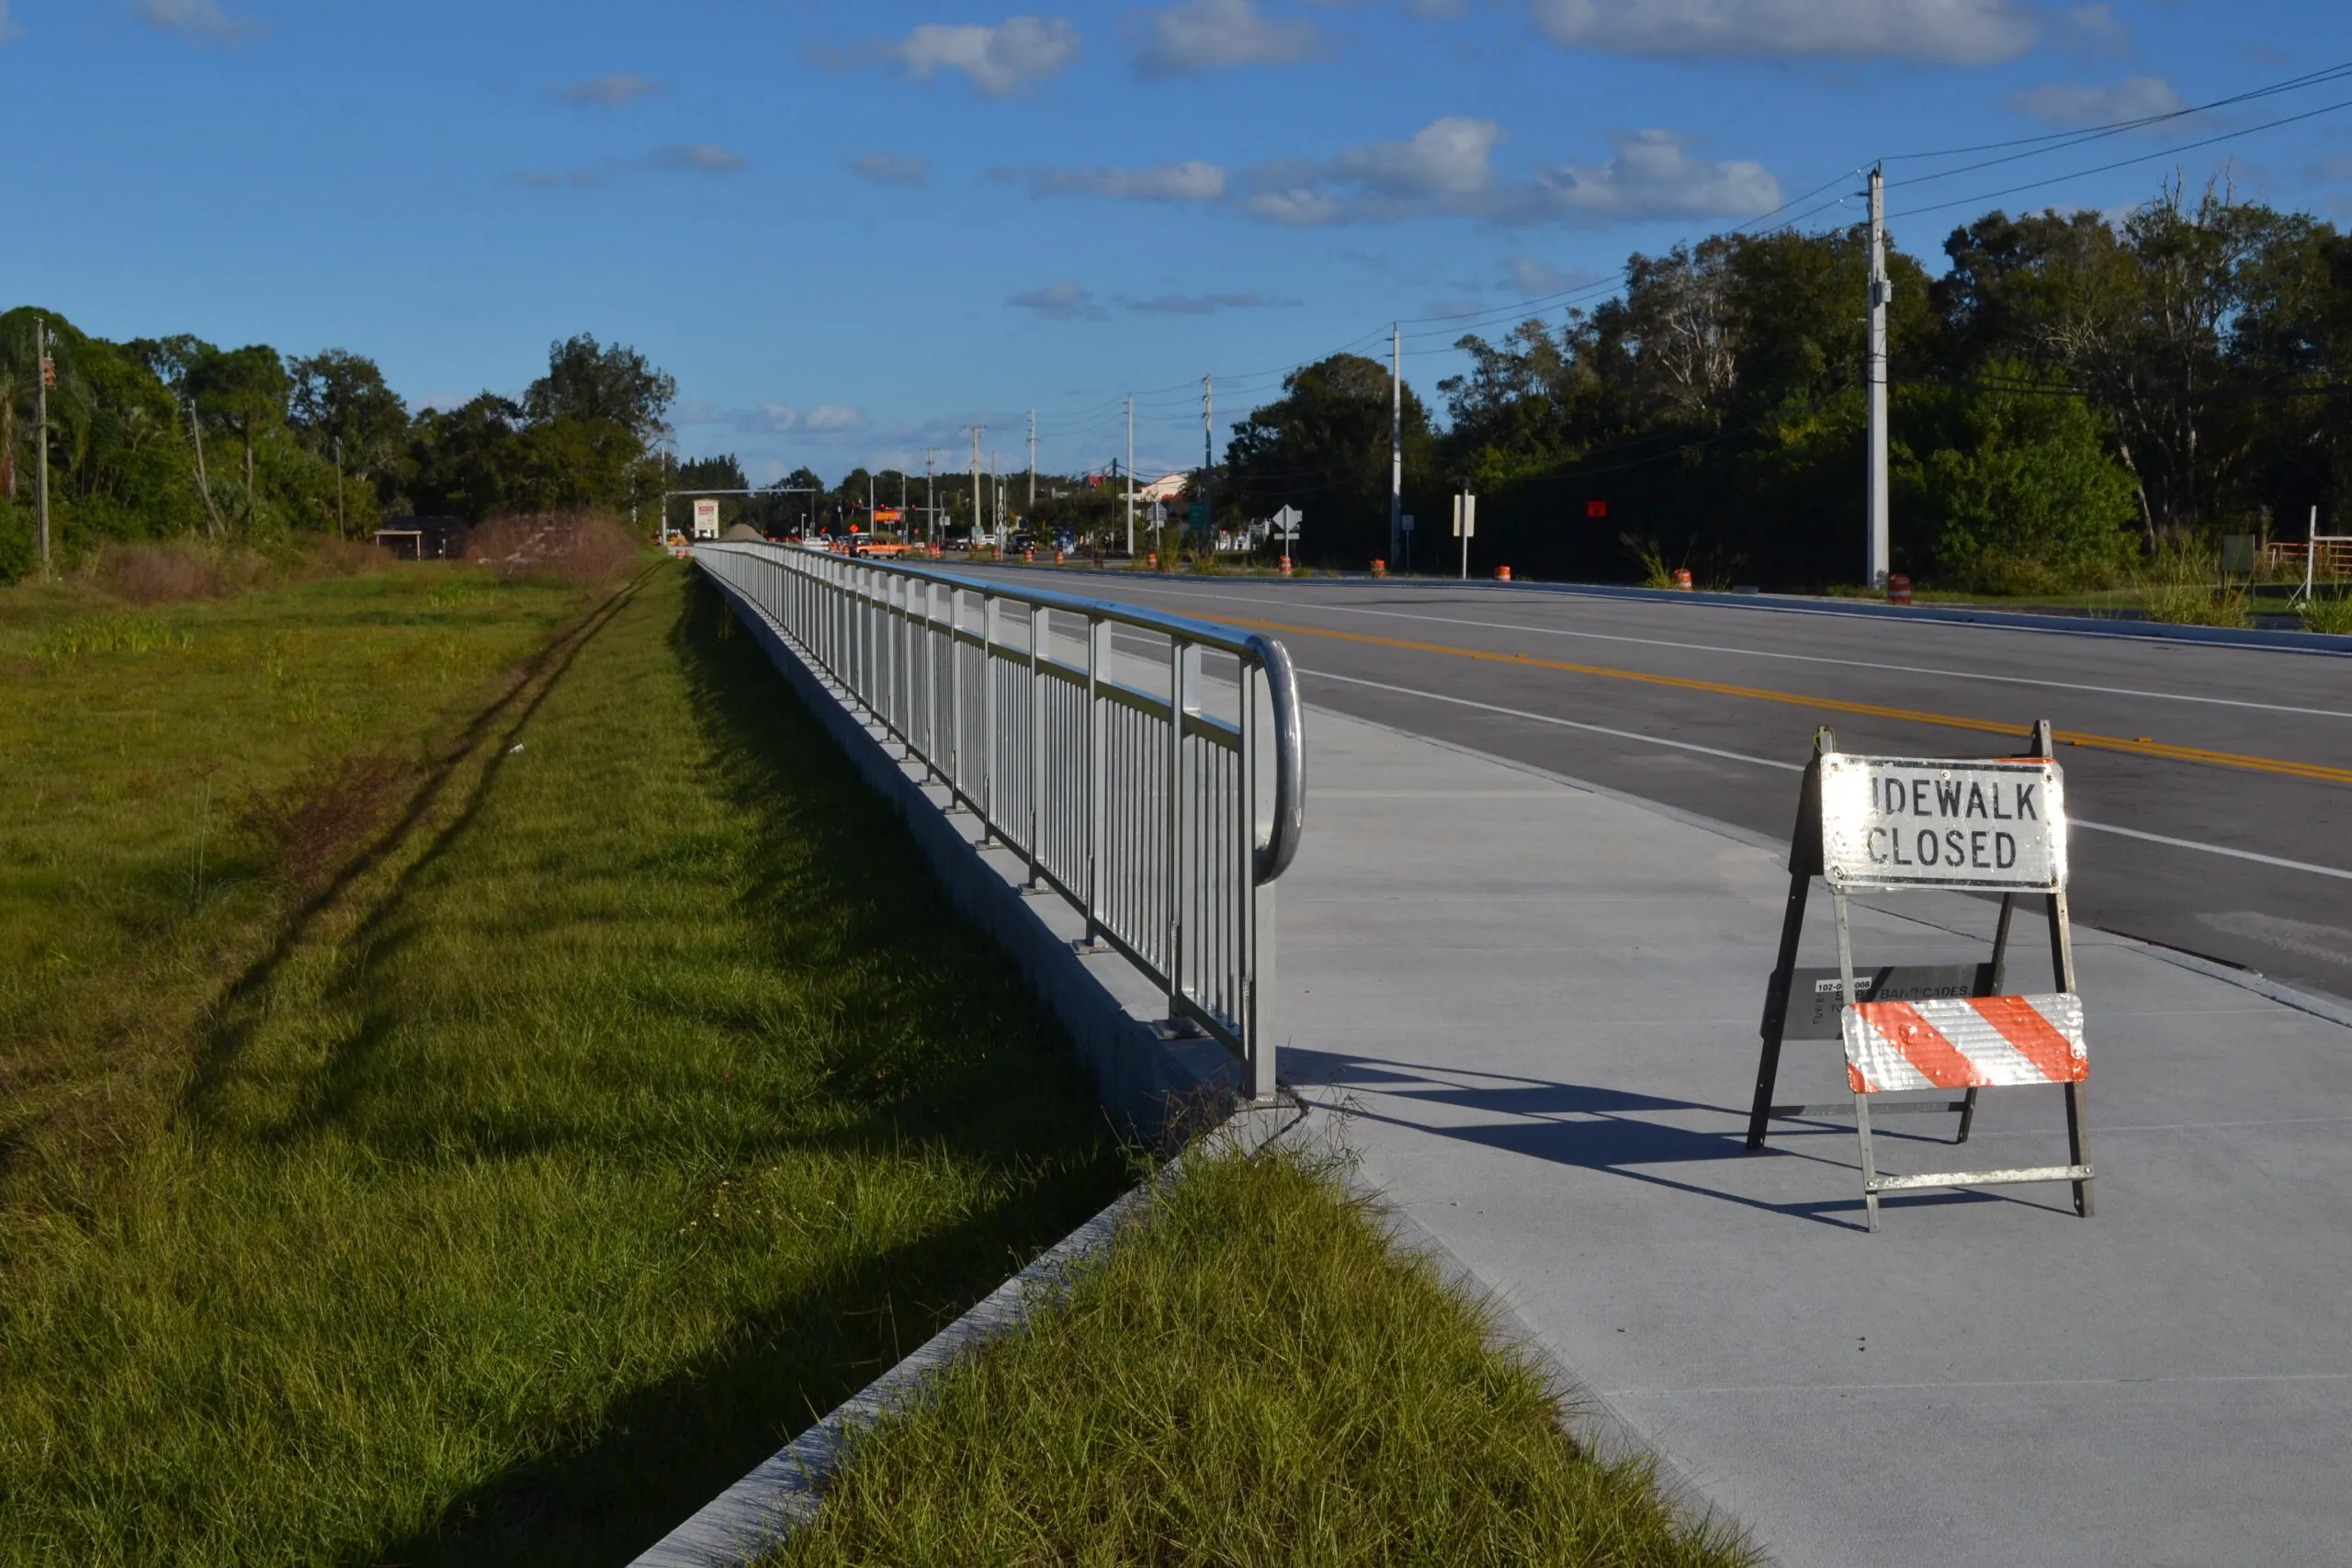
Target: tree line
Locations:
point(2073, 395)
point(157, 437)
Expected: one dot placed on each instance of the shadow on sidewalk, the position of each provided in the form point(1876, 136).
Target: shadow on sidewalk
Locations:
point(1618, 1131)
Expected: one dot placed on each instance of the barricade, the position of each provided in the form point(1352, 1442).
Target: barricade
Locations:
point(1379, 568)
point(1898, 589)
point(1502, 574)
point(1682, 577)
point(1896, 824)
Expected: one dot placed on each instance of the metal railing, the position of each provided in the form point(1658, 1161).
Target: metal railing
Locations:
point(1162, 807)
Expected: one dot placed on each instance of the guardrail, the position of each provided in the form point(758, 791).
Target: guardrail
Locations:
point(1163, 814)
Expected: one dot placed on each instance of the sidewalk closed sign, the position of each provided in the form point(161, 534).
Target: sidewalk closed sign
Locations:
point(1902, 822)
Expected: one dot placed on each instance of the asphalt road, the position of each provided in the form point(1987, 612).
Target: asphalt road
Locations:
point(2228, 753)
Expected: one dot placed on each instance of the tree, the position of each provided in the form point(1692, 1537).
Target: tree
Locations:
point(243, 392)
point(612, 385)
point(2019, 492)
point(341, 408)
point(1323, 447)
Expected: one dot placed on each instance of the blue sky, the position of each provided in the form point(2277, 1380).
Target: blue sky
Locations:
point(852, 231)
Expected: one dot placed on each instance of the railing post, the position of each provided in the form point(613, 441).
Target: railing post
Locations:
point(954, 750)
point(1040, 632)
point(1255, 905)
point(1098, 671)
point(1183, 698)
point(987, 716)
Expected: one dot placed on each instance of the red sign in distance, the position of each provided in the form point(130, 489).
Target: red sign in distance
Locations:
point(1596, 509)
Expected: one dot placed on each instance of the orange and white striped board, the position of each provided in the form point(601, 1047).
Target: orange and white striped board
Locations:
point(1965, 1043)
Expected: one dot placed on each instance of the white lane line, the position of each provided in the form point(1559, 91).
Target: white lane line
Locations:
point(1259, 601)
point(1549, 718)
point(1833, 1388)
point(2215, 850)
point(1798, 767)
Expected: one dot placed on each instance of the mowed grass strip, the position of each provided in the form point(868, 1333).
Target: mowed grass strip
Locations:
point(1250, 1375)
point(642, 1103)
point(135, 744)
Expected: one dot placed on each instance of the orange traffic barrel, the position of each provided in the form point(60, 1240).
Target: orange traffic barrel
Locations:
point(1380, 569)
point(1682, 577)
point(1898, 589)
point(1502, 574)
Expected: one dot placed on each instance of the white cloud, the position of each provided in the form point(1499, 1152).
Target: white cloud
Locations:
point(1943, 32)
point(1009, 58)
point(695, 157)
point(884, 170)
point(1064, 301)
point(1205, 304)
point(198, 21)
point(1652, 176)
point(2334, 166)
point(2071, 104)
point(1527, 278)
point(776, 419)
point(610, 92)
point(1191, 180)
point(1215, 35)
point(1447, 167)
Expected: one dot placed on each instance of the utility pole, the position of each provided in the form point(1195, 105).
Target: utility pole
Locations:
point(1208, 457)
point(1395, 437)
point(1880, 562)
point(976, 483)
point(930, 498)
point(1032, 459)
point(339, 530)
point(41, 417)
point(1131, 478)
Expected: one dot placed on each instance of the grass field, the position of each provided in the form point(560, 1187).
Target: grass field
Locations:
point(1250, 1376)
point(486, 1152)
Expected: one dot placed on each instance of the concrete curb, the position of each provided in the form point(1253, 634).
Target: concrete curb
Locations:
point(1797, 604)
point(760, 1512)
point(1144, 1080)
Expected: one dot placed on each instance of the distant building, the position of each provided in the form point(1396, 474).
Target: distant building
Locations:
point(1167, 486)
point(423, 538)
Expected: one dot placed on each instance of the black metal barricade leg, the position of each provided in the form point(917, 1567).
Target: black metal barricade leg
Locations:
point(1776, 1007)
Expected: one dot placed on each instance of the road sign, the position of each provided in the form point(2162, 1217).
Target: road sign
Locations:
point(48, 371)
point(888, 514)
point(1903, 822)
point(1963, 823)
point(1596, 509)
point(1408, 522)
point(1466, 517)
point(1286, 522)
point(705, 519)
point(1197, 514)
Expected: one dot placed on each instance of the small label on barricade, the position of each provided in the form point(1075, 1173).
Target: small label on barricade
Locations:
point(1814, 1003)
point(1902, 822)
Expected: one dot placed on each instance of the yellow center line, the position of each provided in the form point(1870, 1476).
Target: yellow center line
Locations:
point(1761, 694)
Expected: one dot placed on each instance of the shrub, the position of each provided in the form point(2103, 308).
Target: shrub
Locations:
point(579, 547)
point(162, 573)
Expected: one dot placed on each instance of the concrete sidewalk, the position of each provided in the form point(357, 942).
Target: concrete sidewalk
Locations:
point(1537, 1006)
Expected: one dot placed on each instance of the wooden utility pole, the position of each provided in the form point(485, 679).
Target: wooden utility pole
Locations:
point(40, 420)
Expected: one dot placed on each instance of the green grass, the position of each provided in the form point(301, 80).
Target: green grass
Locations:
point(1251, 1376)
point(136, 744)
point(626, 1096)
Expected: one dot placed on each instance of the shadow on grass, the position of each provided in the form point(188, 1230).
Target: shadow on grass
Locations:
point(969, 1063)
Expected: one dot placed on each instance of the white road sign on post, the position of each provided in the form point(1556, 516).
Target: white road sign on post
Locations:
point(705, 519)
point(1465, 525)
point(1286, 522)
point(1904, 822)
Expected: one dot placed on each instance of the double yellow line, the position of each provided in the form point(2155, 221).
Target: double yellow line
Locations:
point(2136, 747)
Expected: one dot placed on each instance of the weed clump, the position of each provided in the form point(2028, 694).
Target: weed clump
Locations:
point(578, 546)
